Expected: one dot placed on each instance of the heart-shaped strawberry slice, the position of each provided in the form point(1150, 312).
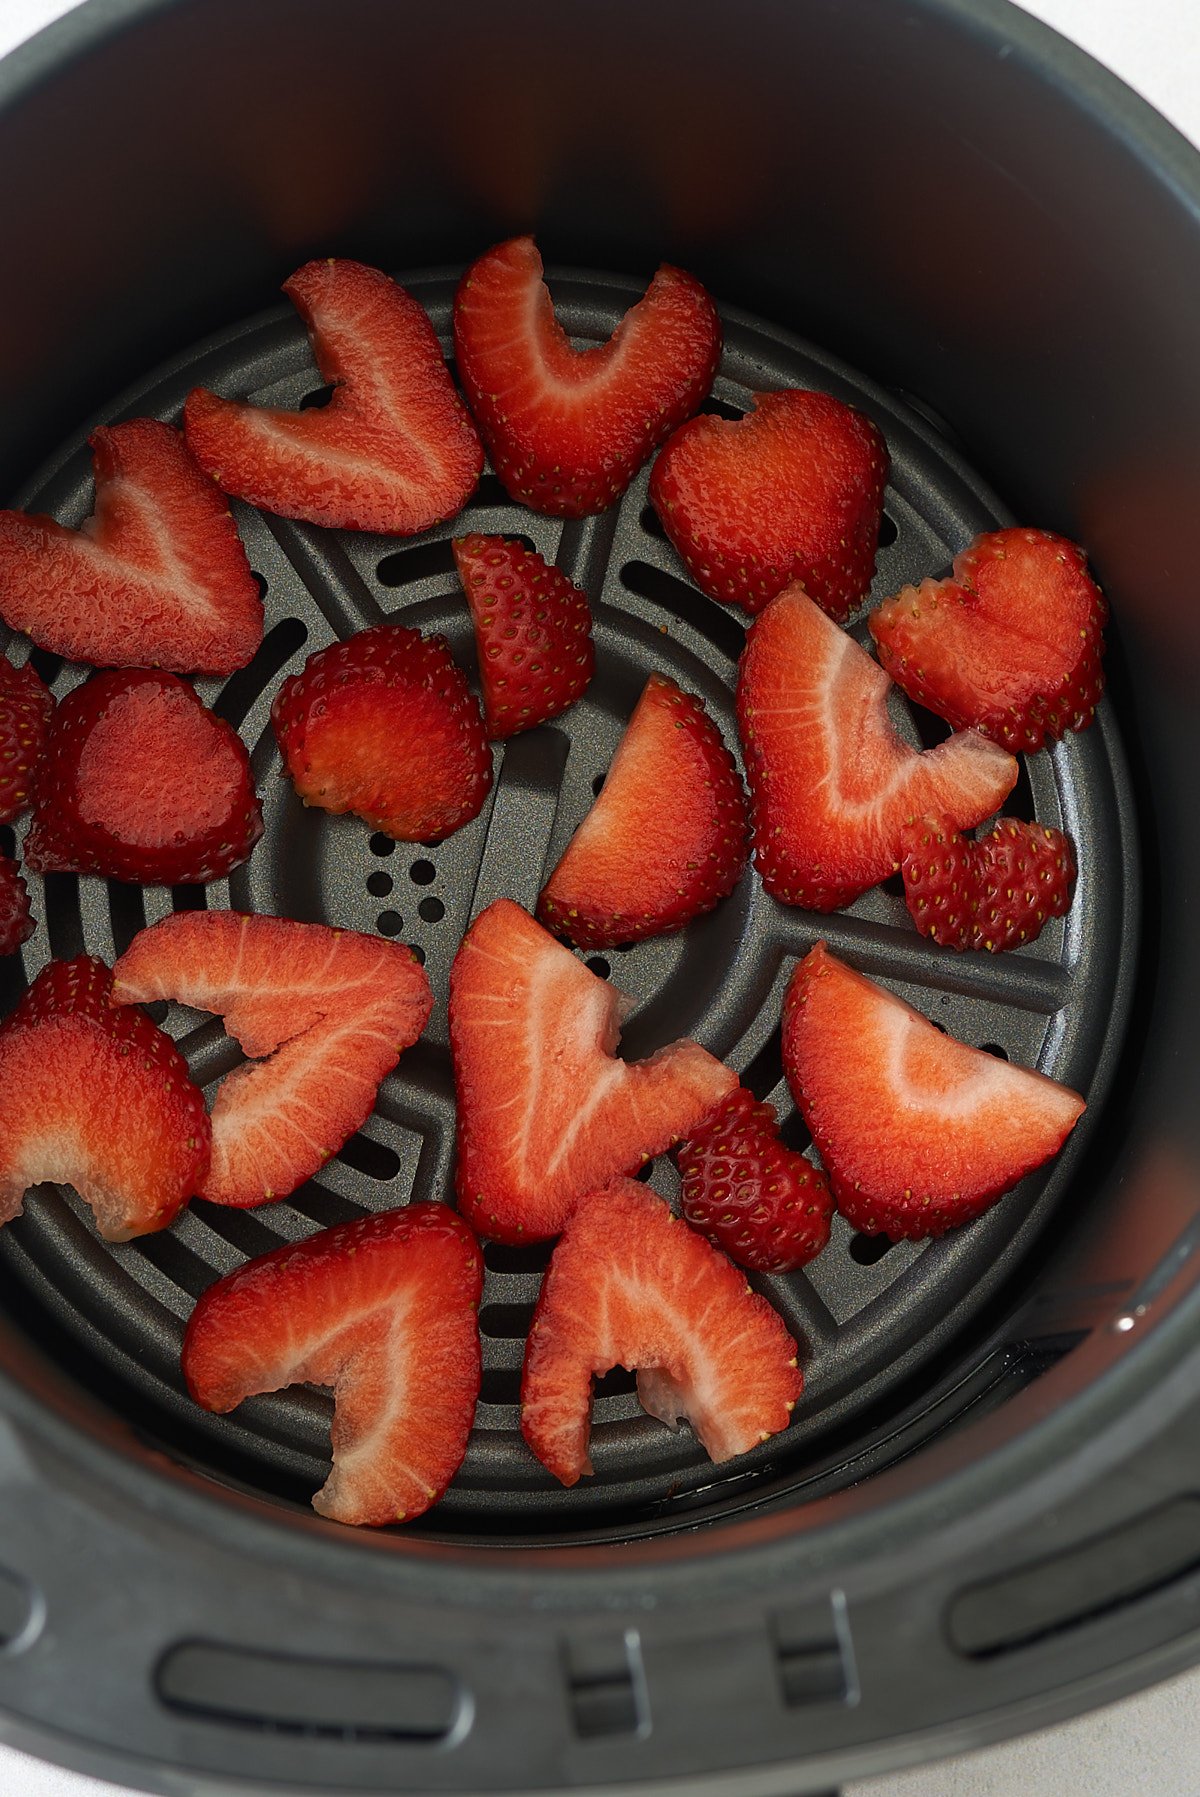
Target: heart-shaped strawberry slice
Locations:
point(792, 491)
point(1010, 646)
point(992, 894)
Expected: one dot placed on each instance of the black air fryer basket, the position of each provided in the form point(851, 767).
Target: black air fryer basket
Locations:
point(986, 1513)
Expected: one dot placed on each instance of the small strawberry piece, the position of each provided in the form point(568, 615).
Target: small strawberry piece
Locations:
point(766, 1206)
point(93, 1096)
point(325, 1015)
point(142, 782)
point(385, 725)
point(1012, 645)
point(383, 1310)
point(394, 449)
point(26, 707)
point(993, 894)
point(832, 786)
point(919, 1132)
point(533, 628)
point(16, 924)
point(156, 577)
point(630, 1285)
point(666, 839)
point(546, 1110)
point(567, 429)
point(792, 491)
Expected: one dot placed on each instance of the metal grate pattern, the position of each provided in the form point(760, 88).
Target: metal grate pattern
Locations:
point(866, 1313)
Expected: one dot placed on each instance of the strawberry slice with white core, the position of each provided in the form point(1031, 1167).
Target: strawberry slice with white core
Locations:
point(832, 785)
point(919, 1132)
point(324, 1013)
point(383, 1309)
point(546, 1110)
point(630, 1285)
point(666, 839)
point(394, 449)
point(156, 577)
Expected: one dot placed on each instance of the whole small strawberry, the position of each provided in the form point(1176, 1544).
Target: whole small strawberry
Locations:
point(765, 1205)
point(385, 725)
point(142, 782)
point(25, 711)
point(993, 894)
point(533, 629)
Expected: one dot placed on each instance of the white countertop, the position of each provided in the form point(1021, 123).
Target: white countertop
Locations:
point(1149, 1744)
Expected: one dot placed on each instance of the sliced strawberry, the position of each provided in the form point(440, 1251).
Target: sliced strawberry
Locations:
point(918, 1131)
point(157, 576)
point(142, 782)
point(630, 1285)
point(831, 784)
point(93, 1096)
point(1012, 645)
point(16, 924)
point(26, 707)
point(383, 1310)
point(546, 1111)
point(533, 628)
point(567, 429)
point(666, 839)
point(765, 1205)
point(792, 491)
point(394, 449)
point(324, 1013)
point(992, 894)
point(385, 725)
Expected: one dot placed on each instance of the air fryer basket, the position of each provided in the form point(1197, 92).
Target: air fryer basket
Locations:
point(983, 1513)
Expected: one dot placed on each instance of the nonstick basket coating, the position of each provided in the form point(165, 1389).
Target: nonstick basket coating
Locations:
point(868, 1315)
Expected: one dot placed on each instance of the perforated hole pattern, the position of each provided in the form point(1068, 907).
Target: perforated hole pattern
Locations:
point(867, 1314)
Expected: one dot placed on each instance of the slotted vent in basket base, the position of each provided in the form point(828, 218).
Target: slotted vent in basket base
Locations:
point(868, 1315)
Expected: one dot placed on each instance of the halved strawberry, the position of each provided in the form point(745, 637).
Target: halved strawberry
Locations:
point(992, 894)
point(157, 576)
point(93, 1096)
point(567, 429)
point(385, 725)
point(919, 1132)
point(831, 784)
point(142, 782)
point(546, 1111)
point(630, 1285)
point(26, 707)
point(1012, 645)
point(16, 924)
point(324, 1013)
point(394, 449)
point(765, 1205)
point(666, 839)
point(792, 491)
point(533, 628)
point(383, 1310)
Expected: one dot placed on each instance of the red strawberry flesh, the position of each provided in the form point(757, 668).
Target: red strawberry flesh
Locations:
point(156, 577)
point(383, 1310)
point(748, 1193)
point(993, 894)
point(533, 629)
point(546, 1111)
point(666, 839)
point(1011, 646)
point(919, 1132)
point(567, 429)
point(26, 708)
point(16, 924)
point(393, 450)
point(832, 785)
point(630, 1285)
point(385, 725)
point(92, 1095)
point(324, 1013)
point(142, 782)
point(792, 491)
